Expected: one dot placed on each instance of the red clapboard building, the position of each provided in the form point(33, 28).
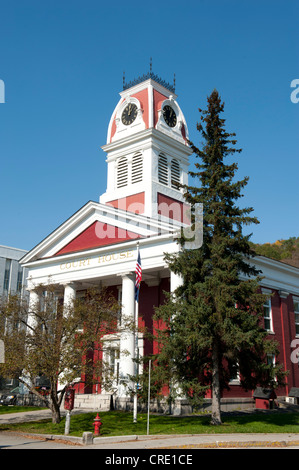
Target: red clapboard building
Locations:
point(147, 154)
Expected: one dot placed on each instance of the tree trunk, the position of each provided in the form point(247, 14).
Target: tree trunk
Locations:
point(56, 418)
point(216, 413)
point(55, 408)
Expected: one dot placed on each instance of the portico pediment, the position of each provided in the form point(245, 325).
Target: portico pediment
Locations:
point(96, 235)
point(96, 225)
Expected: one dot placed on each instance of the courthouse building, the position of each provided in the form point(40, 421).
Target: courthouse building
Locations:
point(147, 155)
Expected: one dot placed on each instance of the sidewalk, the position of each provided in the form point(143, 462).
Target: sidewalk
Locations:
point(175, 441)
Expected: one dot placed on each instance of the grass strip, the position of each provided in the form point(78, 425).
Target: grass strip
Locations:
point(118, 423)
point(4, 409)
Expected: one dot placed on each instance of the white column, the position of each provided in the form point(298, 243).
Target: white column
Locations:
point(33, 307)
point(68, 298)
point(69, 295)
point(176, 281)
point(127, 344)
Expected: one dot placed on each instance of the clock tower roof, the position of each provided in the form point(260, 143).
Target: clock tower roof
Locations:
point(147, 102)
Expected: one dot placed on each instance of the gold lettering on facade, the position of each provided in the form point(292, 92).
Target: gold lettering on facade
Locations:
point(115, 257)
point(77, 264)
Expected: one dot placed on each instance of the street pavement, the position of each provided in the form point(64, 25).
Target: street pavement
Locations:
point(12, 440)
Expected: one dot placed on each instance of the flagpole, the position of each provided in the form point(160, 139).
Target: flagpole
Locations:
point(136, 348)
point(136, 365)
point(148, 396)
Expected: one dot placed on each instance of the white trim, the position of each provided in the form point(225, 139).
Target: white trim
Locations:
point(149, 133)
point(151, 105)
point(277, 275)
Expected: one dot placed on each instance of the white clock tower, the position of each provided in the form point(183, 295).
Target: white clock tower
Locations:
point(147, 150)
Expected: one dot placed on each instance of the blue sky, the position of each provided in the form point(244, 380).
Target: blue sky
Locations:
point(62, 63)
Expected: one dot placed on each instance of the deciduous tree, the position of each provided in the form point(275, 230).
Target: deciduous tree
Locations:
point(55, 341)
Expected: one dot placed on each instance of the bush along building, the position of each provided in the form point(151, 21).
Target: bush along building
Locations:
point(141, 211)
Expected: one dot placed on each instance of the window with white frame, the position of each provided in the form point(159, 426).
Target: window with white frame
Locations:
point(111, 355)
point(268, 315)
point(296, 312)
point(271, 362)
point(234, 374)
point(271, 359)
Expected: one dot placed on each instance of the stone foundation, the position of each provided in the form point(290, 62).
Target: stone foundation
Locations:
point(182, 407)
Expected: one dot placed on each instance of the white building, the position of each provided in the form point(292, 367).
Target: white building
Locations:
point(13, 276)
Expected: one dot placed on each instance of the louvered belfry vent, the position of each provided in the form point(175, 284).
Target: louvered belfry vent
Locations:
point(163, 169)
point(175, 174)
point(137, 168)
point(122, 173)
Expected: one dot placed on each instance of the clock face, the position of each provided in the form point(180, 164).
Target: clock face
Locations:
point(129, 114)
point(169, 116)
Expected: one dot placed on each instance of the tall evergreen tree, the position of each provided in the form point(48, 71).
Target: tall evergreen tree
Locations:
point(214, 321)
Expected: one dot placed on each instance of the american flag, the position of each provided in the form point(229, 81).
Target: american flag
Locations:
point(138, 272)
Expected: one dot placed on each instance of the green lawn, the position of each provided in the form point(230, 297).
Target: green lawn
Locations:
point(17, 409)
point(121, 423)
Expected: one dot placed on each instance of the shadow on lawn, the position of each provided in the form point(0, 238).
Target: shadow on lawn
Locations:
point(278, 417)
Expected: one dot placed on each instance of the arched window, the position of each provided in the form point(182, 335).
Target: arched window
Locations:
point(163, 169)
point(175, 174)
point(137, 168)
point(122, 173)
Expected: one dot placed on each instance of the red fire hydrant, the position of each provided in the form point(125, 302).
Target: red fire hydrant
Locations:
point(97, 425)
